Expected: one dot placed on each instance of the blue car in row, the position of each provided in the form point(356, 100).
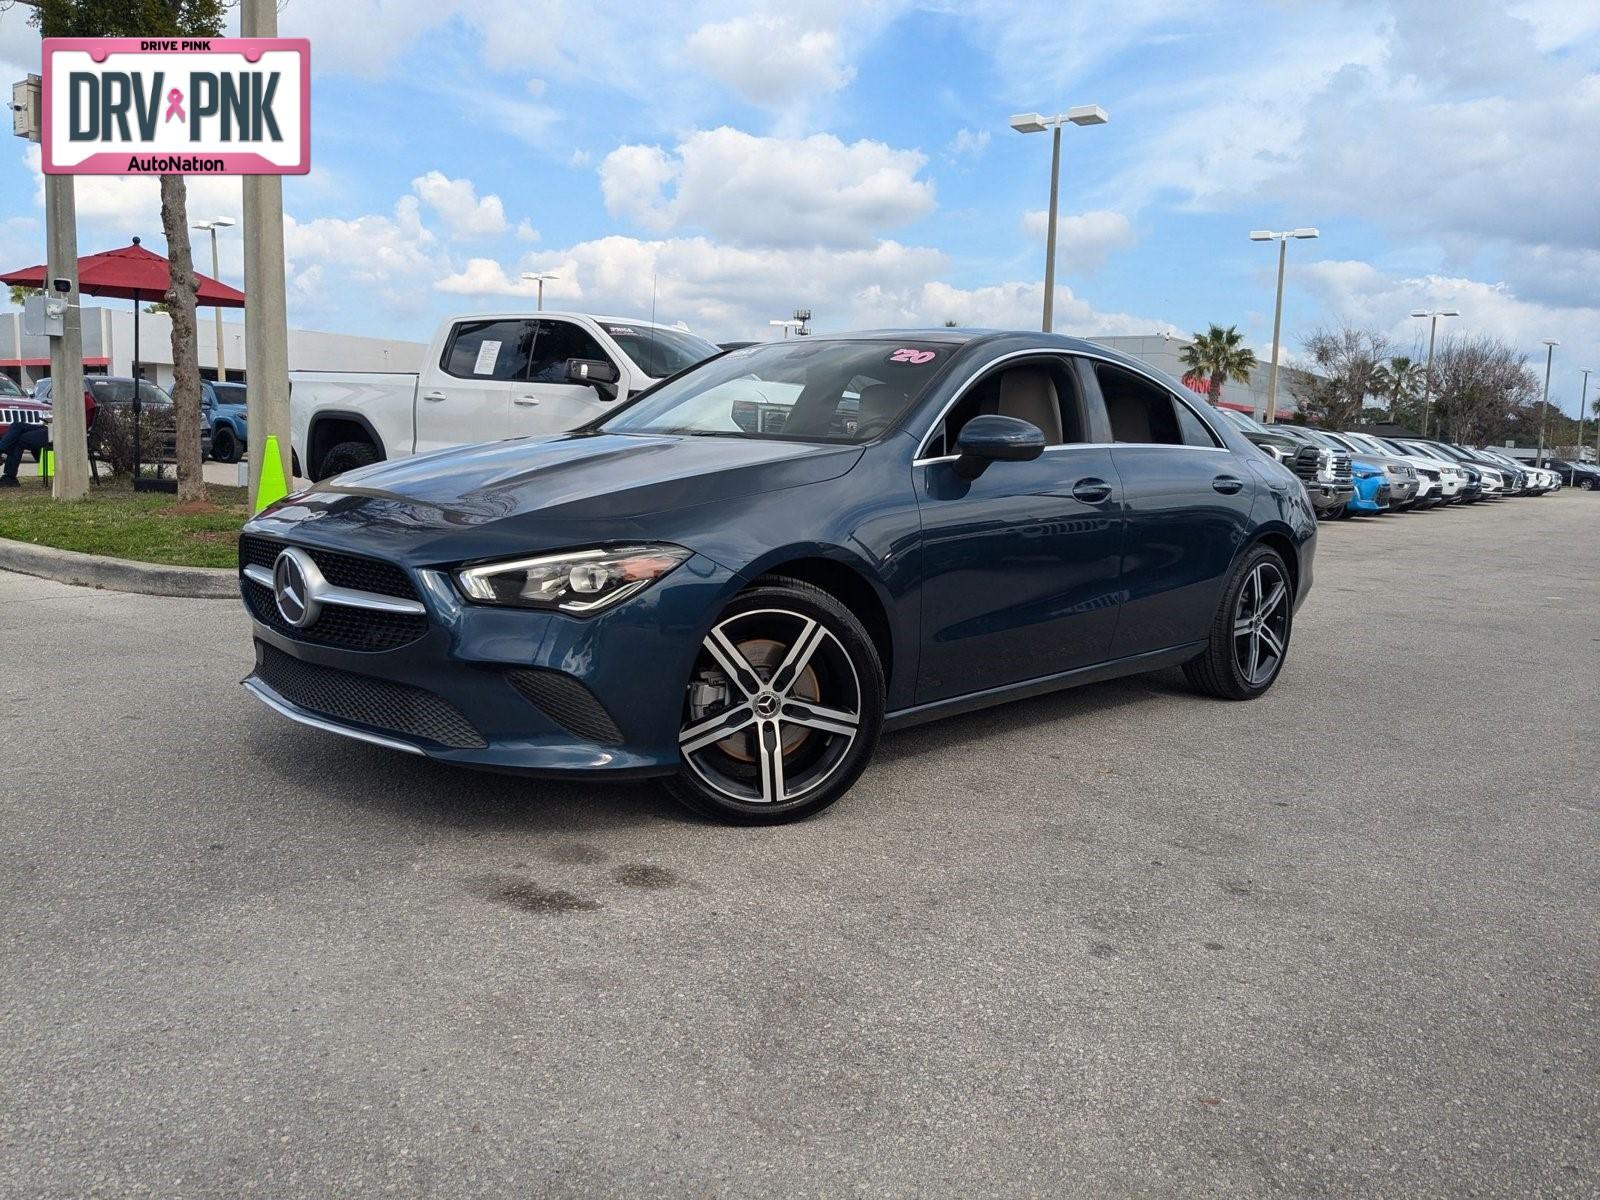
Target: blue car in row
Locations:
point(941, 521)
point(222, 409)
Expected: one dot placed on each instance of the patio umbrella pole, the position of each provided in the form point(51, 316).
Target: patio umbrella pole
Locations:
point(137, 465)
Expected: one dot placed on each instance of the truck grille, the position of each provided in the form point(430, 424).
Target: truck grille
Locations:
point(338, 627)
point(363, 700)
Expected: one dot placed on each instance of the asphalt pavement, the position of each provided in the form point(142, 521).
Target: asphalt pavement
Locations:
point(1342, 941)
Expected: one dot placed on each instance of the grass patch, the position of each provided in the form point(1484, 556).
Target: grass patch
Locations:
point(120, 523)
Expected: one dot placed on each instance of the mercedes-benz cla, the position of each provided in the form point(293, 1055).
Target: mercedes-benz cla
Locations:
point(742, 577)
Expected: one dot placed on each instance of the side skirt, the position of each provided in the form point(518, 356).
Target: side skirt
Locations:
point(1134, 664)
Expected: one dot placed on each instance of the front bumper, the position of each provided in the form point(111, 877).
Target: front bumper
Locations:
point(1326, 496)
point(504, 688)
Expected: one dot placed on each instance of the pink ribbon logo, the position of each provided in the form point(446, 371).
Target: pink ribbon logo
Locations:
point(175, 105)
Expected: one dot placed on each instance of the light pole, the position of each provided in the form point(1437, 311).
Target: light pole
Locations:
point(1282, 238)
point(539, 278)
point(786, 326)
point(1427, 375)
point(1582, 404)
point(1083, 114)
point(1550, 345)
point(213, 225)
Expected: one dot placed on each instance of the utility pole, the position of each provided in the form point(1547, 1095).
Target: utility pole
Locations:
point(70, 435)
point(216, 273)
point(1427, 386)
point(1550, 345)
point(1577, 454)
point(266, 322)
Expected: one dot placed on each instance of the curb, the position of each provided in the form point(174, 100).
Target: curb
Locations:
point(118, 574)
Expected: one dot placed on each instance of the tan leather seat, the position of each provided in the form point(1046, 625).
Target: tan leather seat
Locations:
point(1029, 394)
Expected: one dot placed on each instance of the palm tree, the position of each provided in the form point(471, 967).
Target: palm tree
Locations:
point(1398, 379)
point(1217, 356)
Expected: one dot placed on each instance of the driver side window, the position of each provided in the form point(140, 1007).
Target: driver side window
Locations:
point(1040, 391)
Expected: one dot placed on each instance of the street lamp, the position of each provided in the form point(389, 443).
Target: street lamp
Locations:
point(787, 325)
point(213, 225)
point(1282, 238)
point(1582, 404)
point(539, 278)
point(1550, 345)
point(1083, 114)
point(1427, 376)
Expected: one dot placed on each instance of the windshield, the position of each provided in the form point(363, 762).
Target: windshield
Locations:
point(1244, 421)
point(660, 352)
point(8, 386)
point(120, 391)
point(804, 391)
point(229, 393)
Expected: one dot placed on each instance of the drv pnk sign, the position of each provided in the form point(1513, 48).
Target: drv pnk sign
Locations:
point(185, 106)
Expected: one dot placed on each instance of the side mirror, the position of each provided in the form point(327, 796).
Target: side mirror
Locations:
point(993, 438)
point(596, 373)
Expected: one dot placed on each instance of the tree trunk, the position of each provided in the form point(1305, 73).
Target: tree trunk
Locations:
point(185, 342)
point(1214, 387)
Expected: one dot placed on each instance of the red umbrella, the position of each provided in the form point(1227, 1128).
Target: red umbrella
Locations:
point(131, 273)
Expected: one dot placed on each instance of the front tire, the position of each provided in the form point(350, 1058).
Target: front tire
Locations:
point(782, 709)
point(224, 446)
point(1250, 635)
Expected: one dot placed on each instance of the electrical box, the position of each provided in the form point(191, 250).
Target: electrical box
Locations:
point(45, 315)
point(25, 108)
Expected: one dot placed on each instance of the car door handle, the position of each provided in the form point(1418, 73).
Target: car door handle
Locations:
point(1091, 490)
point(526, 401)
point(433, 396)
point(1227, 484)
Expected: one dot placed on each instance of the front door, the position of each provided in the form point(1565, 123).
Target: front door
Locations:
point(546, 402)
point(468, 397)
point(1019, 569)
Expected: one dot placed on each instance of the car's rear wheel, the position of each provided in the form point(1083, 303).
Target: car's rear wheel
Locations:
point(1587, 485)
point(1250, 635)
point(224, 446)
point(782, 709)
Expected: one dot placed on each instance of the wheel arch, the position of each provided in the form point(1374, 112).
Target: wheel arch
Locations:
point(1280, 539)
point(837, 573)
point(328, 429)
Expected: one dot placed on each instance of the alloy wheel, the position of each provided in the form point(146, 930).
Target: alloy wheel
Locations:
point(773, 707)
point(1261, 624)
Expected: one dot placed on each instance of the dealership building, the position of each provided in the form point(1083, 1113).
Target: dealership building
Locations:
point(1161, 350)
point(108, 348)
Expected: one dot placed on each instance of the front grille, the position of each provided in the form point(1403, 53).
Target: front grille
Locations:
point(342, 570)
point(336, 626)
point(363, 700)
point(1341, 468)
point(1383, 493)
point(568, 703)
point(339, 627)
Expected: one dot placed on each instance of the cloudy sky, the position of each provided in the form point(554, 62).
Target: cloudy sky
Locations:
point(739, 159)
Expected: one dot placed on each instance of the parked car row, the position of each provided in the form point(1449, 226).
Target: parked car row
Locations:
point(1352, 472)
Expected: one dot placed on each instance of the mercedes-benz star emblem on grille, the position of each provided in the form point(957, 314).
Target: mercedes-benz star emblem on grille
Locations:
point(291, 588)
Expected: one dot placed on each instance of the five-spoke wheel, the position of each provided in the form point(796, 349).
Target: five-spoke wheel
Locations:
point(782, 707)
point(1250, 635)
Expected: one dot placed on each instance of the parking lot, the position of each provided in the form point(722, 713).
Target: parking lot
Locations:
point(1343, 941)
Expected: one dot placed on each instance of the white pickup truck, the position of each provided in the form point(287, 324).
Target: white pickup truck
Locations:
point(486, 376)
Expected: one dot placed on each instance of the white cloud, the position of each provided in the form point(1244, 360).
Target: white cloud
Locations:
point(526, 232)
point(768, 190)
point(1083, 240)
point(379, 260)
point(728, 291)
point(456, 201)
point(967, 143)
point(771, 59)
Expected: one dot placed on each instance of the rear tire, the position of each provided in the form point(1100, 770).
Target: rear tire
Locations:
point(347, 456)
point(1250, 634)
point(792, 684)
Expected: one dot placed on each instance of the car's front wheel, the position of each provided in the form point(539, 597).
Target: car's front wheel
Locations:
point(782, 709)
point(1250, 635)
point(224, 446)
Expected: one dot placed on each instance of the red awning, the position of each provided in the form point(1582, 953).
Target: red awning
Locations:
point(131, 273)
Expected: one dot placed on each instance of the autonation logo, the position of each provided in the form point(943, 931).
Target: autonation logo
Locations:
point(206, 106)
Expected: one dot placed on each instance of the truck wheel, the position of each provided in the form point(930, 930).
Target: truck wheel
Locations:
point(224, 446)
point(347, 456)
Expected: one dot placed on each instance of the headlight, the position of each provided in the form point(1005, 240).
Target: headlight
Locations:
point(574, 581)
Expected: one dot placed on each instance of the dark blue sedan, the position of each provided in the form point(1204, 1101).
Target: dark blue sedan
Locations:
point(742, 577)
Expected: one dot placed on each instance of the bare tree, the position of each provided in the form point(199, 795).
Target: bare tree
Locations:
point(1484, 390)
point(1350, 364)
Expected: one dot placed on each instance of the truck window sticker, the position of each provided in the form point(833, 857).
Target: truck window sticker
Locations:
point(488, 355)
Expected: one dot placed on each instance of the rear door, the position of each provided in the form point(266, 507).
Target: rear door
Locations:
point(466, 396)
point(545, 402)
point(1187, 500)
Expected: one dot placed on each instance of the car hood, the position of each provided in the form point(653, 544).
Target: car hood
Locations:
point(534, 493)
